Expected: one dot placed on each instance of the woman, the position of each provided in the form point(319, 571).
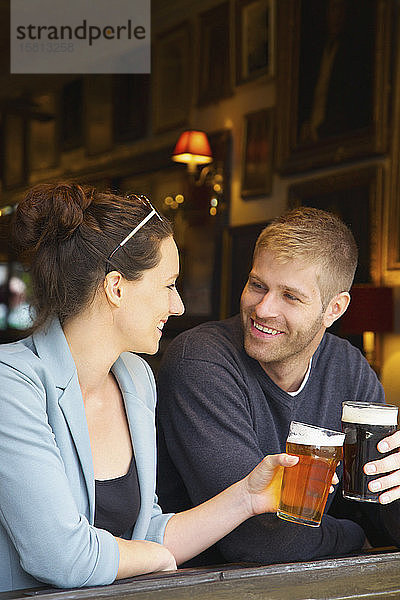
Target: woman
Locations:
point(77, 440)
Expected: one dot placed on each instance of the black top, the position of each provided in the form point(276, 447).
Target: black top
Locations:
point(118, 502)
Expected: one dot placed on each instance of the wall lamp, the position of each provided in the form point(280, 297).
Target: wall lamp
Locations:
point(193, 149)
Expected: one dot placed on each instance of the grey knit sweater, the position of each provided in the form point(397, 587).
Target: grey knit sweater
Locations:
point(219, 414)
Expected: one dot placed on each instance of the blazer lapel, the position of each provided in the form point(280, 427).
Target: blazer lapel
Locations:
point(141, 425)
point(71, 404)
point(53, 348)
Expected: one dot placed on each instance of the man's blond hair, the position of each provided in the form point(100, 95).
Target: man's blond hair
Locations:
point(315, 237)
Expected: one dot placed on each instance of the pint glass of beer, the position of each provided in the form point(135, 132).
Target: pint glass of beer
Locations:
point(305, 486)
point(364, 425)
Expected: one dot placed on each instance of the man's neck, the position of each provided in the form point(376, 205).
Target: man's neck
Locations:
point(286, 375)
point(289, 374)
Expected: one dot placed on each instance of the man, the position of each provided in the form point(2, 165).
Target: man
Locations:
point(228, 390)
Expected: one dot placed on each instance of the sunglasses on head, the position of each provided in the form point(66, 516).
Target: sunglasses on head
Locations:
point(153, 212)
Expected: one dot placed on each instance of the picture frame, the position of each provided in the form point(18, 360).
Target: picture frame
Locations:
point(391, 228)
point(199, 234)
point(172, 81)
point(240, 242)
point(131, 106)
point(215, 66)
point(14, 150)
point(391, 212)
point(255, 39)
point(72, 133)
point(257, 153)
point(333, 85)
point(98, 114)
point(356, 196)
point(43, 134)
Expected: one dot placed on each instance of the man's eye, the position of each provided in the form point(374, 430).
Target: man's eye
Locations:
point(171, 286)
point(290, 297)
point(256, 285)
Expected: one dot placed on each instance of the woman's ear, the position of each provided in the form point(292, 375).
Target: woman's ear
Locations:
point(336, 308)
point(113, 288)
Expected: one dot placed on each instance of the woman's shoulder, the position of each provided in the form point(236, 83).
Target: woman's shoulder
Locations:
point(136, 365)
point(19, 354)
point(20, 365)
point(140, 378)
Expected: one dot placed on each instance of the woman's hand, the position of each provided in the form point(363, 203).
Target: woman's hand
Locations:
point(389, 464)
point(264, 482)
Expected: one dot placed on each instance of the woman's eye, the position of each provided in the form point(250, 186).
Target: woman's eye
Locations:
point(171, 286)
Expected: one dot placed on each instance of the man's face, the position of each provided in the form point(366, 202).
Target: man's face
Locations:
point(281, 310)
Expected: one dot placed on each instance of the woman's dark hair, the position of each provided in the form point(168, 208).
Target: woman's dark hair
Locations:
point(67, 232)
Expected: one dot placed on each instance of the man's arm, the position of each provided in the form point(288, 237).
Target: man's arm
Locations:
point(206, 420)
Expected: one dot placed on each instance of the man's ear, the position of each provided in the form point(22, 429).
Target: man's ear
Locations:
point(113, 288)
point(336, 308)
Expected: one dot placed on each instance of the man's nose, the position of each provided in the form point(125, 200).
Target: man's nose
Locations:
point(268, 306)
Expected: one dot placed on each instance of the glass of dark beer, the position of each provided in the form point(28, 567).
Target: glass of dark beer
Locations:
point(364, 425)
point(305, 486)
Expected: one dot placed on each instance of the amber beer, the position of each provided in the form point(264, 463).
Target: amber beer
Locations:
point(305, 486)
point(364, 425)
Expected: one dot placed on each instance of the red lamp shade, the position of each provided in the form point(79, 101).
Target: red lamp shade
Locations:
point(192, 148)
point(370, 309)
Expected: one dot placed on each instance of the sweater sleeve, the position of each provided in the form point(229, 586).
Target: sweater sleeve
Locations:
point(209, 442)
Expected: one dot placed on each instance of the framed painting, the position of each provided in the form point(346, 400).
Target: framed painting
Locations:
point(215, 55)
point(172, 80)
point(72, 115)
point(255, 39)
point(334, 73)
point(240, 241)
point(43, 137)
point(14, 150)
point(356, 197)
point(198, 232)
point(131, 101)
point(98, 114)
point(257, 161)
point(391, 213)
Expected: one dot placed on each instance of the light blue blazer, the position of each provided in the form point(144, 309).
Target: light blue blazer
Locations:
point(46, 471)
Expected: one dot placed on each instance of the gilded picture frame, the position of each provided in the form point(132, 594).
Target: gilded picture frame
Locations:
point(333, 84)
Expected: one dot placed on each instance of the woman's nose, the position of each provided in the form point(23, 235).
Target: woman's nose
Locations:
point(176, 305)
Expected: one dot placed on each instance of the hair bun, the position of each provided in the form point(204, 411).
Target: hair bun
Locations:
point(50, 213)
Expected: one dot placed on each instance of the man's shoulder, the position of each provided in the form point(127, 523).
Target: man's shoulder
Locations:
point(333, 344)
point(207, 339)
point(338, 353)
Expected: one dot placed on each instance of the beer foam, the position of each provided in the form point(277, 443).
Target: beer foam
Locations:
point(310, 435)
point(370, 414)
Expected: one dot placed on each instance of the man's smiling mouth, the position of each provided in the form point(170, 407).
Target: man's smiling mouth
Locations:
point(264, 329)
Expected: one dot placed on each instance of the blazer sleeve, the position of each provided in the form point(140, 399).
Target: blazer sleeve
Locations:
point(55, 543)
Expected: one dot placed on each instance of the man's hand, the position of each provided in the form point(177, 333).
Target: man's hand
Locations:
point(335, 480)
point(389, 464)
